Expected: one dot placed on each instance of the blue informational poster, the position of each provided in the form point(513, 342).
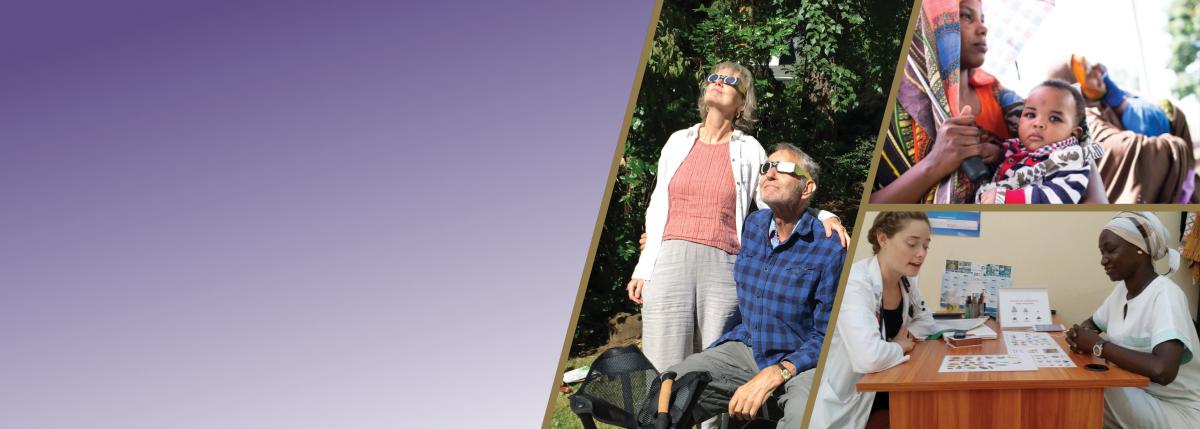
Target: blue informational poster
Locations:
point(962, 224)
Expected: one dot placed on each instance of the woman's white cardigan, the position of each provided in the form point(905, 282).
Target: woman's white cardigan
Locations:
point(745, 155)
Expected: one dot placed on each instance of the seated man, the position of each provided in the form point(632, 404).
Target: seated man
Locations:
point(786, 273)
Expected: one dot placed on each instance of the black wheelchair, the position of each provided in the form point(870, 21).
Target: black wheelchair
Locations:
point(623, 389)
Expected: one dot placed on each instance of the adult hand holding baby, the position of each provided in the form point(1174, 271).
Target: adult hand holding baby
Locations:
point(957, 139)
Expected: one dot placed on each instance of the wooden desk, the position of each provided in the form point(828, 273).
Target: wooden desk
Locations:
point(922, 397)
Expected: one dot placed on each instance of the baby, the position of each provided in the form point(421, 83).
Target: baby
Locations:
point(1049, 161)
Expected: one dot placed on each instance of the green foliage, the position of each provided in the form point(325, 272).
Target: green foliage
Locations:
point(846, 53)
point(1184, 26)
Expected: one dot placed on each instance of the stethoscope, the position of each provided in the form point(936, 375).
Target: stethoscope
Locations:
point(912, 312)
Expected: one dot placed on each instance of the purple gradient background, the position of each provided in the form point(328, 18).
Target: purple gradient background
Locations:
point(260, 214)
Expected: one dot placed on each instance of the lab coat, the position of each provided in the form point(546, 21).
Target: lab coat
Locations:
point(859, 347)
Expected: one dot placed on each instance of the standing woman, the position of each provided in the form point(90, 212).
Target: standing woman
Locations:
point(881, 307)
point(706, 182)
point(1148, 329)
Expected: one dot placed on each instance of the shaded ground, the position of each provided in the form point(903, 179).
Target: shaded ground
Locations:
point(624, 329)
point(563, 417)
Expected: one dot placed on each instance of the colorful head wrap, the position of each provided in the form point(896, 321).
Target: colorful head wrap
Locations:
point(1079, 71)
point(1144, 230)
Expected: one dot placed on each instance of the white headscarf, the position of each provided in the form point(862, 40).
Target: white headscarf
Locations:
point(1144, 230)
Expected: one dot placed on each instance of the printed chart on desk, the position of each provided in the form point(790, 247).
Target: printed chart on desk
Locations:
point(1040, 347)
point(987, 363)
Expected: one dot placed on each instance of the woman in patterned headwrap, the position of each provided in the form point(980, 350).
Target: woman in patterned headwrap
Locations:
point(922, 154)
point(925, 145)
point(1148, 147)
point(1147, 327)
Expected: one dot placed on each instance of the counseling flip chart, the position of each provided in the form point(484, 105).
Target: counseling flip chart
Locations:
point(964, 279)
point(1024, 307)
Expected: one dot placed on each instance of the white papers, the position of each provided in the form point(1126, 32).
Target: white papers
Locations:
point(940, 325)
point(1057, 360)
point(987, 363)
point(575, 375)
point(1029, 342)
point(1024, 308)
point(983, 331)
point(1039, 346)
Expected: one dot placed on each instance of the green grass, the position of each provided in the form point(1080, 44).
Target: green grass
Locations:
point(563, 417)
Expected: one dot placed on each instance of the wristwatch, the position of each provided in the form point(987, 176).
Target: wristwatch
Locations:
point(1098, 348)
point(784, 371)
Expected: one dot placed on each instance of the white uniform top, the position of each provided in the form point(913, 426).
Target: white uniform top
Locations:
point(1156, 315)
point(859, 346)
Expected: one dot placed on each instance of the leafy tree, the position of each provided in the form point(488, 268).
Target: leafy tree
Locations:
point(1184, 26)
point(846, 53)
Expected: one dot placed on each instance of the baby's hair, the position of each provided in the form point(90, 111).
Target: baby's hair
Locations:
point(1080, 114)
point(889, 223)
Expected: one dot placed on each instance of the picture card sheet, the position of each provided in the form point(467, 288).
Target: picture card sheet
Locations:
point(987, 363)
point(1039, 346)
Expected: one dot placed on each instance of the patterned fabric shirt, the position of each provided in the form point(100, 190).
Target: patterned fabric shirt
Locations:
point(1024, 178)
point(785, 292)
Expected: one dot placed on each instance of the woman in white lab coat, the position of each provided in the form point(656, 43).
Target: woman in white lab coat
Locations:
point(881, 313)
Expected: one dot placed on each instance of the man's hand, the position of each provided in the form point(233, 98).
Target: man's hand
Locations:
point(642, 242)
point(751, 396)
point(835, 224)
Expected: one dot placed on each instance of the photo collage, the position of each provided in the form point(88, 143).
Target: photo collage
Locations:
point(899, 214)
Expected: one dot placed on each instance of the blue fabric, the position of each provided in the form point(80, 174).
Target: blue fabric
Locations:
point(1139, 116)
point(1114, 95)
point(1144, 118)
point(785, 293)
point(949, 39)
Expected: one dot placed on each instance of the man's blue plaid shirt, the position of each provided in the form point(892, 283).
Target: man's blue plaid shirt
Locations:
point(785, 292)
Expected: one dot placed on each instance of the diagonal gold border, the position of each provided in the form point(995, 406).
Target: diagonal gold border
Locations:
point(865, 206)
point(883, 126)
point(891, 106)
point(606, 197)
point(1030, 207)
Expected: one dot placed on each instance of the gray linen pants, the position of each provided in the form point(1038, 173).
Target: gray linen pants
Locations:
point(690, 300)
point(731, 365)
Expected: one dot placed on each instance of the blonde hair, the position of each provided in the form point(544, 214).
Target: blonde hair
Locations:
point(744, 119)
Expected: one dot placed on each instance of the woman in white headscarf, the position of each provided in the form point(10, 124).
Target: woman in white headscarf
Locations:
point(1147, 329)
